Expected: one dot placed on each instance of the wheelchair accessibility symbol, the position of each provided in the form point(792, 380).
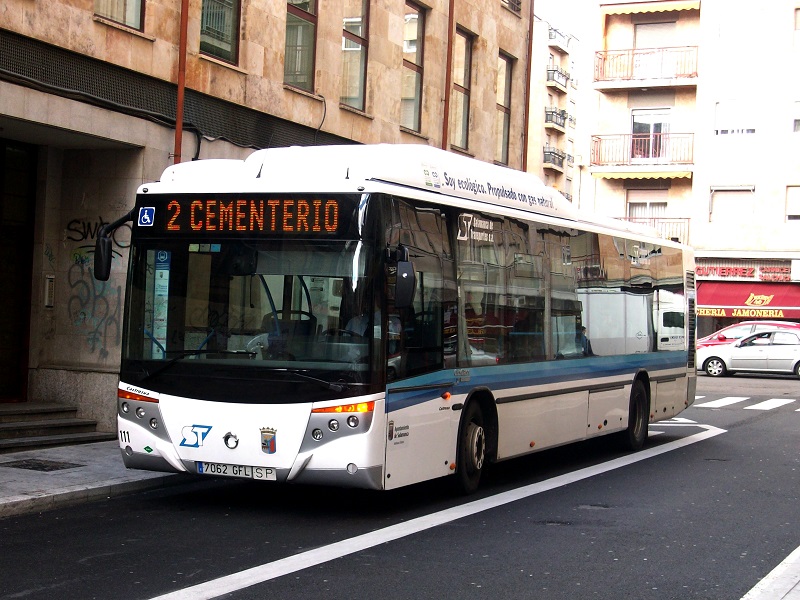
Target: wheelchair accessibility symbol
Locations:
point(146, 214)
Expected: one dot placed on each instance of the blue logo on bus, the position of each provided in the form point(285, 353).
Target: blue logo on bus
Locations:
point(194, 435)
point(146, 215)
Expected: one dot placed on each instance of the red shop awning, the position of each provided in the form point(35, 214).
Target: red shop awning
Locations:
point(748, 300)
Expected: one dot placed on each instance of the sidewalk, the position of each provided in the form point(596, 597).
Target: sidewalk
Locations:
point(39, 480)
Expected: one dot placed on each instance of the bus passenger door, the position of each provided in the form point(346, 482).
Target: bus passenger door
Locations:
point(420, 440)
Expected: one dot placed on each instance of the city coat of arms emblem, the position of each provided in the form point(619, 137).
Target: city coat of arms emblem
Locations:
point(268, 443)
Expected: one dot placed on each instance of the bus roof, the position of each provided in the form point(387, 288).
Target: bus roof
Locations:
point(367, 168)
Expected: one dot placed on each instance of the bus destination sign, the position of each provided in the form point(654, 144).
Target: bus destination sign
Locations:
point(264, 215)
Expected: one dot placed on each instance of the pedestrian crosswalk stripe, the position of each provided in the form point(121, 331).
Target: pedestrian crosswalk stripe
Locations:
point(727, 401)
point(770, 404)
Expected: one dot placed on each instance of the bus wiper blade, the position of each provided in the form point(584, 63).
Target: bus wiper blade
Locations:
point(336, 387)
point(182, 354)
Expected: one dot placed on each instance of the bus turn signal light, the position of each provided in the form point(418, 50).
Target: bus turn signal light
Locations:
point(361, 407)
point(125, 395)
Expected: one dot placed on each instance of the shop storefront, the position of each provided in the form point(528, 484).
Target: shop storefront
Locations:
point(731, 291)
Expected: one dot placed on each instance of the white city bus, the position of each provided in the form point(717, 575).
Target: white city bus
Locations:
point(377, 316)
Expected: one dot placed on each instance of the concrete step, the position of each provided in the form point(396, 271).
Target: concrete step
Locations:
point(47, 441)
point(29, 411)
point(29, 425)
point(45, 427)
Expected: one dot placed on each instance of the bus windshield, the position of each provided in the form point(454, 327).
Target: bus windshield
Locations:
point(277, 311)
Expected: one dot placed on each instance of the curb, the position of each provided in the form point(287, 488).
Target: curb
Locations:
point(70, 496)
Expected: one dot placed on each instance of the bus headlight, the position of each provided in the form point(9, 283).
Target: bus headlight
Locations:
point(352, 421)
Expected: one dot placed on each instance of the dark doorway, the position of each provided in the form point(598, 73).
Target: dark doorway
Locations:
point(17, 209)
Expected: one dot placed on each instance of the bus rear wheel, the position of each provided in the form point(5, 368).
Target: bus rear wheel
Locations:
point(634, 437)
point(471, 449)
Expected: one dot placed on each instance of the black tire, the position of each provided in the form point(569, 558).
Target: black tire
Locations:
point(797, 370)
point(634, 437)
point(471, 453)
point(715, 367)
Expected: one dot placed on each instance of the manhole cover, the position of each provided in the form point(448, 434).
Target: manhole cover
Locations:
point(36, 464)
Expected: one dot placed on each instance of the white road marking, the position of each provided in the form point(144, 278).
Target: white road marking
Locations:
point(727, 401)
point(770, 404)
point(782, 583)
point(291, 564)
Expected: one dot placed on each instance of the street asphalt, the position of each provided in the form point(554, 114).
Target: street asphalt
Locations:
point(40, 480)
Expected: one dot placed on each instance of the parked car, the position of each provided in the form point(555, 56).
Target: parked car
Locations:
point(771, 351)
point(731, 333)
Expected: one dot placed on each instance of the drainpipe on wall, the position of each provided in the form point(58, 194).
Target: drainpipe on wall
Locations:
point(527, 91)
point(181, 81)
point(448, 80)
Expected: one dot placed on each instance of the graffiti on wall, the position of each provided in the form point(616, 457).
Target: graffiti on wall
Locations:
point(84, 232)
point(94, 308)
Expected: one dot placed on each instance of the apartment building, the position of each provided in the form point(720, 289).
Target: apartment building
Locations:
point(696, 116)
point(553, 106)
point(99, 96)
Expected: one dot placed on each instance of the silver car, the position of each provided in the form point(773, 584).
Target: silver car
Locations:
point(771, 351)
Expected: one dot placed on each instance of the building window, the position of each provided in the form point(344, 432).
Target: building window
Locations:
point(645, 206)
point(649, 135)
point(503, 108)
point(301, 38)
point(459, 103)
point(797, 116)
point(219, 29)
point(734, 118)
point(126, 12)
point(793, 203)
point(733, 206)
point(411, 86)
point(354, 53)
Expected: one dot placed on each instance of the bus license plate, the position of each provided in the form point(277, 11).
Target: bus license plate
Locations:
point(226, 470)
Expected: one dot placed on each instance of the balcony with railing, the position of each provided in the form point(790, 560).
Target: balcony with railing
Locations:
point(671, 229)
point(634, 149)
point(558, 40)
point(555, 118)
point(554, 158)
point(557, 78)
point(654, 67)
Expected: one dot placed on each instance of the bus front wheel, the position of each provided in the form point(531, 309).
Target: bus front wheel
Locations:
point(635, 436)
point(471, 449)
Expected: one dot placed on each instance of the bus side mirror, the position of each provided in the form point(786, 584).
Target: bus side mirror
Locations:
point(103, 254)
point(102, 258)
point(406, 284)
